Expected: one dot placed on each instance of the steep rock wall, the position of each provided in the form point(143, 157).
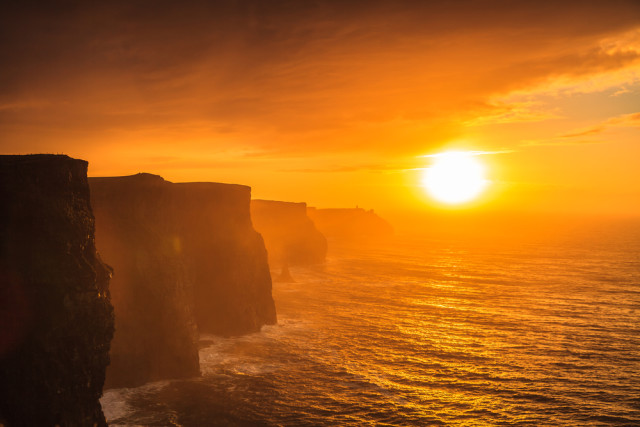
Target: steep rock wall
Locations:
point(136, 232)
point(185, 257)
point(227, 256)
point(56, 317)
point(290, 236)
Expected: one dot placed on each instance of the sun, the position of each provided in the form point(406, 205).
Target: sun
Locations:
point(455, 177)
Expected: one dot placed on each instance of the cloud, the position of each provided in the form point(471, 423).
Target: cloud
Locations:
point(473, 153)
point(584, 132)
point(586, 135)
point(300, 77)
point(596, 67)
point(346, 169)
point(514, 112)
point(621, 91)
point(625, 120)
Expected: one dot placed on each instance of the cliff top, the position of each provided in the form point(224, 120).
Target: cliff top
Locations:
point(277, 203)
point(214, 185)
point(140, 177)
point(37, 158)
point(144, 177)
point(343, 210)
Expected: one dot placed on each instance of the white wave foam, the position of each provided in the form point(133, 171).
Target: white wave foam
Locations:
point(114, 405)
point(245, 355)
point(114, 402)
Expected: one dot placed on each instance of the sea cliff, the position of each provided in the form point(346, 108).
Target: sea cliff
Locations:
point(227, 258)
point(57, 320)
point(137, 234)
point(290, 236)
point(186, 259)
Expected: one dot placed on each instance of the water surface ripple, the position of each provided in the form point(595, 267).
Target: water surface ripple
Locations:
point(426, 333)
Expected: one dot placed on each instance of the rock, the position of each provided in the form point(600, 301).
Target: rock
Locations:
point(55, 310)
point(227, 257)
point(185, 258)
point(136, 231)
point(290, 236)
point(285, 275)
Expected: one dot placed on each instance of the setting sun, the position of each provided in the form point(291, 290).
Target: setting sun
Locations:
point(455, 177)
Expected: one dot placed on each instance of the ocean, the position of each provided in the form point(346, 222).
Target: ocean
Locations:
point(421, 331)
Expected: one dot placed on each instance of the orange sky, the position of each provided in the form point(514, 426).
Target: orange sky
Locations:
point(335, 102)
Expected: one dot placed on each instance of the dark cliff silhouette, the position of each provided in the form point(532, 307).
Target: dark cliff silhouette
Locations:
point(353, 223)
point(227, 256)
point(185, 258)
point(55, 314)
point(290, 236)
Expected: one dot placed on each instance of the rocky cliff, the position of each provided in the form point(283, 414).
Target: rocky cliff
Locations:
point(137, 234)
point(227, 257)
point(55, 313)
point(185, 257)
point(354, 223)
point(290, 236)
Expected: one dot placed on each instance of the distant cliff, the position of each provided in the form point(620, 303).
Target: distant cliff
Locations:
point(55, 315)
point(185, 257)
point(354, 223)
point(290, 236)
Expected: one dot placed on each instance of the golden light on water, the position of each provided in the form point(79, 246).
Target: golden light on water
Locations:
point(455, 177)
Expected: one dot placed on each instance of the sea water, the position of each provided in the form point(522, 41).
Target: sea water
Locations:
point(418, 331)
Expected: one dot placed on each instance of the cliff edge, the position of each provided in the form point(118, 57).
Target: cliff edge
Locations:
point(56, 317)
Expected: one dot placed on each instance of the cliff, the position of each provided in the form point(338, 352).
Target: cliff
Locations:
point(55, 313)
point(152, 294)
point(185, 258)
point(354, 223)
point(227, 257)
point(290, 236)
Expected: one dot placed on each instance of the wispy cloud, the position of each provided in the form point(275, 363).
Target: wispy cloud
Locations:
point(515, 112)
point(471, 153)
point(590, 134)
point(621, 91)
point(625, 120)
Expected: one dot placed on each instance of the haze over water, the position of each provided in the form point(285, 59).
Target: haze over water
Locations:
point(419, 331)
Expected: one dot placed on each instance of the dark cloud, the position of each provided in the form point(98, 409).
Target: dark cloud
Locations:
point(289, 67)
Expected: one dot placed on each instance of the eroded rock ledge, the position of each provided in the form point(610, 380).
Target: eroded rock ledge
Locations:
point(56, 317)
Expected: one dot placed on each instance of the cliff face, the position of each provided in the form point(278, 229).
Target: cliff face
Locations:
point(355, 223)
point(56, 317)
point(185, 257)
point(290, 236)
point(227, 256)
point(156, 335)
